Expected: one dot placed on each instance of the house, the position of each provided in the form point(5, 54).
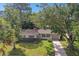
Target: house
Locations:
point(45, 33)
point(36, 33)
point(29, 33)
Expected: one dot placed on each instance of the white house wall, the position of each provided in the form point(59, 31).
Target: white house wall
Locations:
point(27, 36)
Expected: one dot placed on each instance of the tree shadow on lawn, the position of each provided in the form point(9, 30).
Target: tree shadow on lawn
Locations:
point(16, 52)
point(72, 52)
point(31, 45)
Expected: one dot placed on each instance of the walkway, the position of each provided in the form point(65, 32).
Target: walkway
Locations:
point(59, 51)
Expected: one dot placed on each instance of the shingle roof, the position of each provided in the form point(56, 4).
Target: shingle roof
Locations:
point(44, 31)
point(29, 31)
point(36, 31)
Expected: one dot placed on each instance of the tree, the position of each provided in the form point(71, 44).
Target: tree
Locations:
point(60, 18)
point(7, 34)
point(28, 25)
point(16, 14)
point(51, 17)
point(67, 13)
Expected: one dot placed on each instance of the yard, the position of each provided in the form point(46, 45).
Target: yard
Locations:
point(6, 50)
point(42, 48)
point(72, 52)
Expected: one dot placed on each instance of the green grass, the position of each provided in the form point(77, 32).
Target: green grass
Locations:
point(42, 48)
point(72, 52)
point(7, 49)
point(16, 52)
point(38, 49)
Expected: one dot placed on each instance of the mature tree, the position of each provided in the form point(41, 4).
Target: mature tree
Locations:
point(67, 13)
point(60, 18)
point(7, 34)
point(28, 25)
point(17, 14)
point(51, 17)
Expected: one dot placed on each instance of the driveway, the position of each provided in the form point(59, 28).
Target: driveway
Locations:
point(59, 50)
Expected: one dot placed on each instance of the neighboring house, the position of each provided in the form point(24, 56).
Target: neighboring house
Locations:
point(36, 33)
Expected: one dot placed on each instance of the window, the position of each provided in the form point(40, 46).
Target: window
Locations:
point(48, 35)
point(43, 35)
point(31, 36)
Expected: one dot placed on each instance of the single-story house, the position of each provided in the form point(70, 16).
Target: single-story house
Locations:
point(29, 33)
point(36, 33)
point(45, 33)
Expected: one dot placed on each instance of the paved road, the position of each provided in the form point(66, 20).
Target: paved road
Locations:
point(59, 51)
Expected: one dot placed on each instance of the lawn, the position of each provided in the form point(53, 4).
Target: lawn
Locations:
point(42, 48)
point(7, 49)
point(72, 52)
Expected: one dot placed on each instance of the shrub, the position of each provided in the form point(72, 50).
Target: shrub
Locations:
point(49, 40)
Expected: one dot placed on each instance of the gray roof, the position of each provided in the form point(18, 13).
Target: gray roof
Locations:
point(35, 31)
point(44, 31)
point(29, 31)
